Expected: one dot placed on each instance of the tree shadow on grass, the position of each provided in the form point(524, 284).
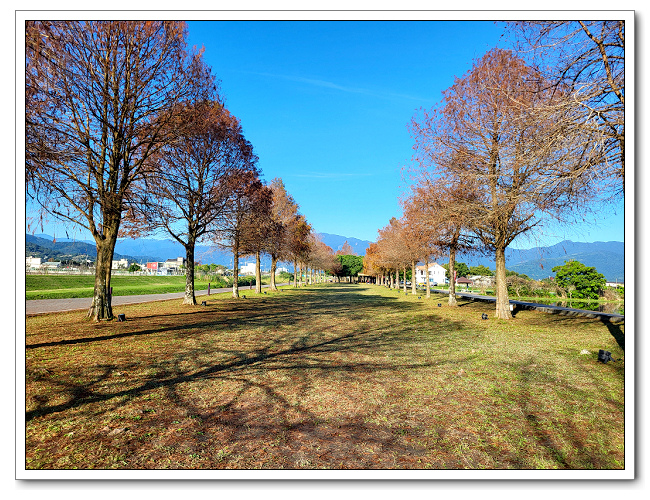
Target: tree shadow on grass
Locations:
point(278, 346)
point(82, 393)
point(260, 312)
point(256, 398)
point(617, 333)
point(568, 443)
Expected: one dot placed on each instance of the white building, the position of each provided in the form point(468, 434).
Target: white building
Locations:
point(436, 274)
point(247, 269)
point(120, 264)
point(174, 265)
point(279, 270)
point(33, 262)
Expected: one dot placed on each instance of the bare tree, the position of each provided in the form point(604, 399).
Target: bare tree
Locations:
point(230, 233)
point(499, 129)
point(98, 96)
point(187, 190)
point(588, 59)
point(283, 211)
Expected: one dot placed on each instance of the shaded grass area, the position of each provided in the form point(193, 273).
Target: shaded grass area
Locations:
point(336, 376)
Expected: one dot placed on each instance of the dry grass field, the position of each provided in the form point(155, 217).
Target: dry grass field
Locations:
point(324, 377)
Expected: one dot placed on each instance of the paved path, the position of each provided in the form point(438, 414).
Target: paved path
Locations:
point(45, 306)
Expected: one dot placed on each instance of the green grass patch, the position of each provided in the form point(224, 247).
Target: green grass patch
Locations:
point(52, 286)
point(323, 377)
point(77, 286)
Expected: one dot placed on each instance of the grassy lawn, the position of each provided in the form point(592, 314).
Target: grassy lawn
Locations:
point(52, 286)
point(330, 376)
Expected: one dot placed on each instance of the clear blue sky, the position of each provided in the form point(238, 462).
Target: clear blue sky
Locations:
point(326, 106)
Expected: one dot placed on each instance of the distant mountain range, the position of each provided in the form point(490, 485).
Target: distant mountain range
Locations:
point(606, 257)
point(144, 250)
point(336, 242)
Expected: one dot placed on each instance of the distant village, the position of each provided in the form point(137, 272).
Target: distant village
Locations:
point(170, 267)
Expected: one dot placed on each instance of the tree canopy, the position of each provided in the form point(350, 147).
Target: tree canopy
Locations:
point(98, 97)
point(351, 265)
point(579, 280)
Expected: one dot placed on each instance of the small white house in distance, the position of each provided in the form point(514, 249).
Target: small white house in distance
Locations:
point(32, 262)
point(120, 264)
point(247, 269)
point(174, 265)
point(436, 274)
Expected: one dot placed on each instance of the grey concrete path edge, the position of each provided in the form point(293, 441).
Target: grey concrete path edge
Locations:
point(46, 306)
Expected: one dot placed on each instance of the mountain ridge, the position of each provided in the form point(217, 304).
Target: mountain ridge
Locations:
point(536, 262)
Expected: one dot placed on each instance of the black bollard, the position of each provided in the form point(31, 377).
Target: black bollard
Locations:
point(605, 356)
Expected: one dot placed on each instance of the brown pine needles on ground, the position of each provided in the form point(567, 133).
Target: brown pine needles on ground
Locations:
point(324, 377)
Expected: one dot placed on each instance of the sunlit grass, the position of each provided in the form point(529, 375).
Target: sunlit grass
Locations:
point(336, 376)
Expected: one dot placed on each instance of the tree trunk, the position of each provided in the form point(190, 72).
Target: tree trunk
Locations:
point(101, 306)
point(274, 266)
point(426, 277)
point(452, 281)
point(235, 271)
point(413, 278)
point(404, 278)
point(258, 273)
point(190, 298)
point(503, 304)
point(295, 274)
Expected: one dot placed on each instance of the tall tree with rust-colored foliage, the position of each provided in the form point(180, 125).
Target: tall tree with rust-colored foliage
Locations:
point(424, 237)
point(393, 252)
point(372, 265)
point(588, 59)
point(501, 129)
point(346, 249)
point(257, 227)
point(444, 208)
point(98, 97)
point(243, 192)
point(321, 257)
point(283, 211)
point(298, 232)
point(186, 192)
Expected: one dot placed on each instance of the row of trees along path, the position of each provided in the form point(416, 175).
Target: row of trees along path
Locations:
point(512, 146)
point(127, 133)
